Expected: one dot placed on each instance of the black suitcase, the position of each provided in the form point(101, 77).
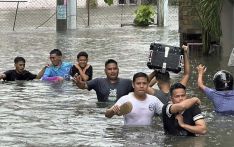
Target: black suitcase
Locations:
point(165, 57)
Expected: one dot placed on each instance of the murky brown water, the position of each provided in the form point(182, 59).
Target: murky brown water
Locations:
point(35, 113)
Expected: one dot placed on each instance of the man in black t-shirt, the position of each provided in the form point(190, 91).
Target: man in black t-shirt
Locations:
point(19, 73)
point(183, 116)
point(82, 67)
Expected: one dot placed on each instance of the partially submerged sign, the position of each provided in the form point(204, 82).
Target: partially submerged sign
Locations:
point(231, 58)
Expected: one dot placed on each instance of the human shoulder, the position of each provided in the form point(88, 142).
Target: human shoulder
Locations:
point(64, 63)
point(166, 110)
point(152, 97)
point(10, 71)
point(125, 98)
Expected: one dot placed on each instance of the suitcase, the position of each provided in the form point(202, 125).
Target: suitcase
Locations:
point(165, 58)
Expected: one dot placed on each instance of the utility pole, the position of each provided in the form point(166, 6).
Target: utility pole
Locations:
point(61, 15)
point(71, 14)
point(162, 13)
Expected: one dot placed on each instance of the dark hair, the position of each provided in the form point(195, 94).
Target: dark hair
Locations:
point(163, 77)
point(18, 59)
point(110, 61)
point(140, 74)
point(82, 54)
point(56, 51)
point(176, 86)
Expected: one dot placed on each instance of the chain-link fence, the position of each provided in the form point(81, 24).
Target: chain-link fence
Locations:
point(37, 14)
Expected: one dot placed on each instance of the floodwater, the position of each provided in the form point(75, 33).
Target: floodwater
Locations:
point(36, 113)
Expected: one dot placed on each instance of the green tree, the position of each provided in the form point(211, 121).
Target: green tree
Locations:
point(144, 15)
point(209, 14)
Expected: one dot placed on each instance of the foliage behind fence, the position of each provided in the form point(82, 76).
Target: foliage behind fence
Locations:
point(35, 14)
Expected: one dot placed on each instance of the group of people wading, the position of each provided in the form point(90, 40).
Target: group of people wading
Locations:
point(136, 99)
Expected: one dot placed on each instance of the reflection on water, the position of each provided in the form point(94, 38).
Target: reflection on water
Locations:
point(35, 113)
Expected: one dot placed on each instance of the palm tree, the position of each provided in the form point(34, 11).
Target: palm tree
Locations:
point(209, 14)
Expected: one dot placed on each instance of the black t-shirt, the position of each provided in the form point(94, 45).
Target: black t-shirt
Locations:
point(171, 125)
point(12, 75)
point(88, 72)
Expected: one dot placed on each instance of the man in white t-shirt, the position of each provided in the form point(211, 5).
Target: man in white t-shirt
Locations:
point(144, 106)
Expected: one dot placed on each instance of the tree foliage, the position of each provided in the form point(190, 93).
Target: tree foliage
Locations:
point(209, 14)
point(144, 15)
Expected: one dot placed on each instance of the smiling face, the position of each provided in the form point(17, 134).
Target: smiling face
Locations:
point(82, 61)
point(112, 71)
point(55, 59)
point(19, 66)
point(178, 95)
point(140, 86)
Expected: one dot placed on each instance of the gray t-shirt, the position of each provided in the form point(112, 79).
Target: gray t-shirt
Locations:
point(107, 91)
point(163, 97)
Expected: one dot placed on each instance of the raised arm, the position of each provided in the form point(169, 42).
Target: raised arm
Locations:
point(201, 69)
point(198, 128)
point(186, 74)
point(187, 103)
point(151, 76)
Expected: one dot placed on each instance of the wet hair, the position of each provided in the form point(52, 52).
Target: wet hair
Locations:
point(140, 74)
point(176, 86)
point(18, 59)
point(56, 51)
point(110, 61)
point(82, 54)
point(163, 77)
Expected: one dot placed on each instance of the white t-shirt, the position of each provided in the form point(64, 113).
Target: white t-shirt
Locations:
point(142, 111)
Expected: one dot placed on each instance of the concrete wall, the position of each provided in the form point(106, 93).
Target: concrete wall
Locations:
point(227, 24)
point(188, 19)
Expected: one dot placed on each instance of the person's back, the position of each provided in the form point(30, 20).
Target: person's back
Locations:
point(222, 95)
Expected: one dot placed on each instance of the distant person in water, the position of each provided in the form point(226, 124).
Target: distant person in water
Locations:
point(144, 106)
point(182, 117)
point(108, 89)
point(19, 73)
point(82, 67)
point(222, 95)
point(58, 70)
point(163, 80)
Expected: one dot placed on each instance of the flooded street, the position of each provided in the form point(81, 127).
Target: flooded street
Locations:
point(36, 113)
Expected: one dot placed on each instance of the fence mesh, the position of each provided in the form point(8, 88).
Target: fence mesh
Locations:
point(35, 14)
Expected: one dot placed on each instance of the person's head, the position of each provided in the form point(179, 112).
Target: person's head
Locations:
point(162, 78)
point(178, 93)
point(19, 64)
point(82, 59)
point(111, 69)
point(140, 83)
point(56, 57)
point(223, 80)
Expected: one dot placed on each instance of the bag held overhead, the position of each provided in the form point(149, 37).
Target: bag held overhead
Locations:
point(165, 58)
